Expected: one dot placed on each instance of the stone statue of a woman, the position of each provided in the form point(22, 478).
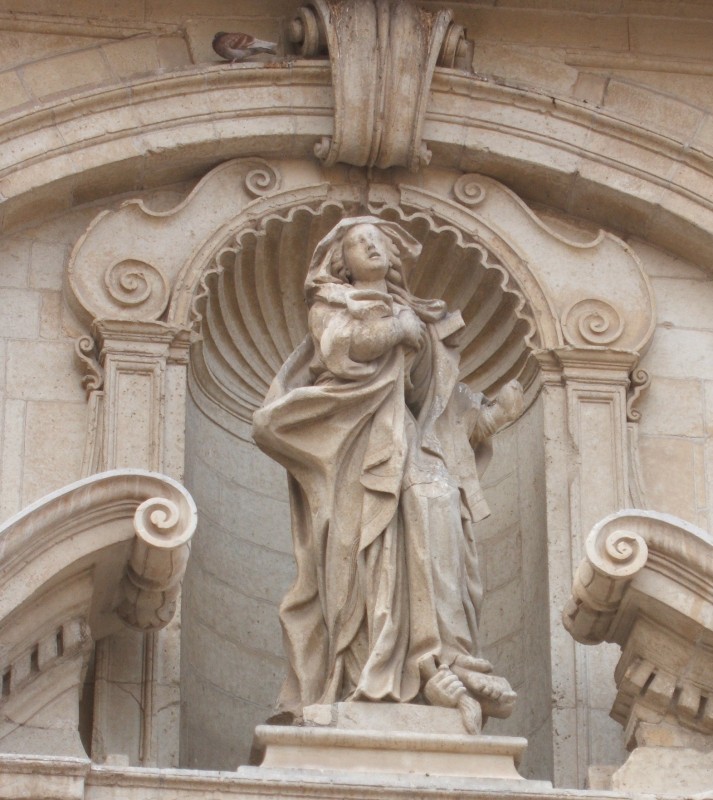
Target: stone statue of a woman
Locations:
point(378, 436)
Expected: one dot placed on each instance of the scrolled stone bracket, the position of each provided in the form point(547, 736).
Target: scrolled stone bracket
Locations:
point(612, 558)
point(646, 583)
point(157, 562)
point(85, 350)
point(383, 55)
point(640, 382)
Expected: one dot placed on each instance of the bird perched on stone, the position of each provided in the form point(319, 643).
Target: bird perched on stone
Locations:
point(239, 46)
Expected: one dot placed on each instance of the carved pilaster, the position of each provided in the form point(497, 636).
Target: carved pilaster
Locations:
point(585, 415)
point(143, 400)
point(141, 425)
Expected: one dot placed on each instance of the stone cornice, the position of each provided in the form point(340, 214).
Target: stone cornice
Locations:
point(82, 779)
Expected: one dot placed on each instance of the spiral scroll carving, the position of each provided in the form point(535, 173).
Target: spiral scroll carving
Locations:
point(261, 181)
point(157, 521)
point(157, 562)
point(592, 321)
point(85, 351)
point(468, 190)
point(137, 286)
point(640, 382)
point(619, 553)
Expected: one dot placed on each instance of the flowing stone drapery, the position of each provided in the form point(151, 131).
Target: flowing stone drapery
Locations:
point(377, 435)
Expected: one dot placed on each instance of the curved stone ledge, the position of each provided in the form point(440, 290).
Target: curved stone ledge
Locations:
point(111, 547)
point(135, 525)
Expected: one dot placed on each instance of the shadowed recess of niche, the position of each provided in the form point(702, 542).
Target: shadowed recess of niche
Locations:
point(254, 313)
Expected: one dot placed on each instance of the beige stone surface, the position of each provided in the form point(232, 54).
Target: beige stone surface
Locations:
point(389, 751)
point(665, 772)
point(591, 107)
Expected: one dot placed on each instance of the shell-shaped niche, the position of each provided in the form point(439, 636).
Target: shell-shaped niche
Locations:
point(252, 314)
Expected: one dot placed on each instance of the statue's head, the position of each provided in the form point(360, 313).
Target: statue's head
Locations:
point(330, 264)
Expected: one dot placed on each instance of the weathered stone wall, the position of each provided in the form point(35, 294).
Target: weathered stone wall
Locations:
point(44, 416)
point(676, 428)
point(241, 565)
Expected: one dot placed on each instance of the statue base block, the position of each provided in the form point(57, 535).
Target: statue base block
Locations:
point(388, 738)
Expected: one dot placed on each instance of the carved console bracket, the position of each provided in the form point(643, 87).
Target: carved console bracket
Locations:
point(107, 548)
point(383, 54)
point(646, 583)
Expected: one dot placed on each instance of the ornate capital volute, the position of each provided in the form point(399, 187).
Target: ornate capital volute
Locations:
point(383, 54)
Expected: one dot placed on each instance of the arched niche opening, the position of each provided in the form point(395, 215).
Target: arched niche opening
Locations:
point(253, 316)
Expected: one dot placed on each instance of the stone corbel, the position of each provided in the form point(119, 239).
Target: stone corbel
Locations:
point(645, 584)
point(106, 549)
point(383, 54)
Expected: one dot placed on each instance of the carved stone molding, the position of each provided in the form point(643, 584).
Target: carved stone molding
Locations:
point(235, 250)
point(646, 583)
point(383, 54)
point(107, 549)
point(133, 278)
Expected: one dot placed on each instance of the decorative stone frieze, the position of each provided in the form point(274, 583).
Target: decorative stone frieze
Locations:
point(646, 584)
point(108, 548)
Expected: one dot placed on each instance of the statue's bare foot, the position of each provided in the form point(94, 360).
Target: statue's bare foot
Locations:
point(493, 692)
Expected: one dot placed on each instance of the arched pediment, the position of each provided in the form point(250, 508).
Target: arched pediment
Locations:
point(229, 261)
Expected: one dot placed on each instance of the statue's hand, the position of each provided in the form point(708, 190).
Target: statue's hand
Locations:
point(510, 400)
point(412, 329)
point(444, 688)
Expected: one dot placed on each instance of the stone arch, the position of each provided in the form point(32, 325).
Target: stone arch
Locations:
point(594, 163)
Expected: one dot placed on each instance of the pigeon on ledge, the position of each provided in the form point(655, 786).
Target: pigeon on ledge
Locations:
point(239, 46)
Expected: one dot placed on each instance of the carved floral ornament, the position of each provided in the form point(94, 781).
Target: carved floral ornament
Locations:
point(229, 261)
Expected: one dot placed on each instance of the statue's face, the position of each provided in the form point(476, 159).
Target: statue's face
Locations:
point(366, 253)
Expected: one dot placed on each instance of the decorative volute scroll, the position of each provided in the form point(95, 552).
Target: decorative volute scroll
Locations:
point(646, 583)
point(125, 265)
point(599, 291)
point(108, 549)
point(383, 54)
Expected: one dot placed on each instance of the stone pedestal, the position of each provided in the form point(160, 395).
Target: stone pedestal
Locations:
point(388, 738)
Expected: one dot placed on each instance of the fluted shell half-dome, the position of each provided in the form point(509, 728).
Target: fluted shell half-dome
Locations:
point(252, 314)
